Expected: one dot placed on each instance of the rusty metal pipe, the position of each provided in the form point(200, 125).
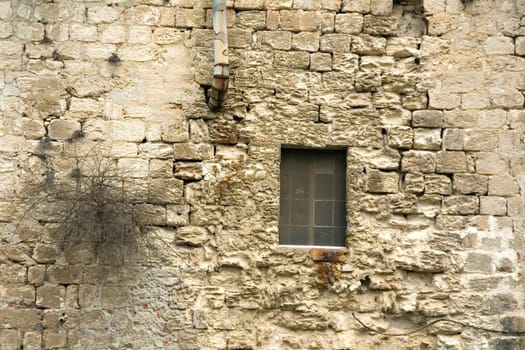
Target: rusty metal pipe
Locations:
point(221, 68)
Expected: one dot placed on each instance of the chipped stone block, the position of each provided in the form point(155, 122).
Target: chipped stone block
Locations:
point(382, 182)
point(281, 40)
point(190, 151)
point(438, 184)
point(427, 139)
point(50, 296)
point(335, 43)
point(306, 41)
point(361, 6)
point(418, 161)
point(470, 184)
point(63, 129)
point(515, 207)
point(453, 139)
point(506, 98)
point(189, 18)
point(367, 81)
point(166, 190)
point(177, 215)
point(462, 205)
point(443, 100)
point(321, 62)
point(414, 183)
point(67, 274)
point(36, 274)
point(299, 21)
point(188, 170)
point(475, 100)
point(400, 137)
point(490, 205)
point(380, 25)
point(428, 119)
point(348, 23)
point(192, 235)
point(451, 162)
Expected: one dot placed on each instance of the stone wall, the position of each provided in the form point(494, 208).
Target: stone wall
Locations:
point(425, 95)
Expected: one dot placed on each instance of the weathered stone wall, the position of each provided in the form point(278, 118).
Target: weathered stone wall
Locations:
point(426, 96)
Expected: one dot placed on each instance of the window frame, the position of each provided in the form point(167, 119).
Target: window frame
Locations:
point(314, 160)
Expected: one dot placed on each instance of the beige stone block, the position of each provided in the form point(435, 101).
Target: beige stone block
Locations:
point(63, 129)
point(480, 140)
point(491, 164)
point(381, 7)
point(10, 339)
point(155, 150)
point(189, 18)
point(327, 22)
point(348, 23)
point(509, 141)
point(127, 130)
point(151, 214)
point(5, 10)
point(499, 45)
point(102, 14)
point(470, 184)
point(418, 161)
point(178, 215)
point(451, 162)
point(19, 318)
point(112, 34)
point(377, 63)
point(490, 205)
point(280, 40)
point(112, 297)
point(368, 45)
point(249, 4)
point(492, 118)
point(36, 274)
point(345, 62)
point(369, 82)
point(255, 20)
point(166, 190)
point(190, 151)
point(438, 184)
point(45, 253)
point(462, 205)
point(307, 41)
point(517, 119)
point(50, 296)
point(138, 53)
point(515, 207)
point(439, 100)
point(475, 100)
point(427, 139)
point(239, 38)
point(520, 45)
point(33, 340)
point(299, 21)
point(380, 25)
point(382, 182)
point(428, 119)
point(400, 137)
point(12, 273)
point(361, 6)
point(414, 101)
point(139, 34)
point(506, 98)
point(82, 32)
point(321, 62)
point(335, 43)
point(503, 185)
point(479, 262)
point(453, 139)
point(414, 183)
point(272, 20)
point(192, 236)
point(292, 59)
point(6, 30)
point(133, 167)
point(67, 274)
point(20, 295)
point(54, 340)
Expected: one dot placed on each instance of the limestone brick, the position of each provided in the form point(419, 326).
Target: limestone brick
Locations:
point(428, 119)
point(361, 6)
point(368, 45)
point(306, 41)
point(278, 40)
point(470, 184)
point(349, 23)
point(382, 182)
point(520, 45)
point(400, 137)
point(503, 185)
point(438, 184)
point(480, 140)
point(499, 46)
point(298, 20)
point(102, 14)
point(461, 205)
point(488, 163)
point(193, 18)
point(379, 25)
point(321, 62)
point(50, 296)
point(491, 205)
point(427, 139)
point(335, 43)
point(418, 161)
point(451, 162)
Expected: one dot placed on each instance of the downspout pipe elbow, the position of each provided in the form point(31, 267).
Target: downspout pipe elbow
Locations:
point(221, 68)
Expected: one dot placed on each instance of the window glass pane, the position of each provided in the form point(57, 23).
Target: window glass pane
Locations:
point(300, 186)
point(324, 186)
point(323, 213)
point(339, 213)
point(299, 212)
point(324, 236)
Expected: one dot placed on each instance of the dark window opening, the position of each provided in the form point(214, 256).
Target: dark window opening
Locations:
point(313, 196)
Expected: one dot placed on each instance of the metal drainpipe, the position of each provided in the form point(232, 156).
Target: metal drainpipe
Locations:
point(221, 69)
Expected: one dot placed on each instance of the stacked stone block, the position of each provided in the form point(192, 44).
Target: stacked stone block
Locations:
point(426, 96)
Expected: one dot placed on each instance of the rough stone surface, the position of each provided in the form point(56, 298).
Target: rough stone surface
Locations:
point(426, 98)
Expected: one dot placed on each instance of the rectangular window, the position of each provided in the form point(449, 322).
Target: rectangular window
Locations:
point(313, 196)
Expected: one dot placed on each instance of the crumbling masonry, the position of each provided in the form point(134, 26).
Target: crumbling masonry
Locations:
point(426, 96)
